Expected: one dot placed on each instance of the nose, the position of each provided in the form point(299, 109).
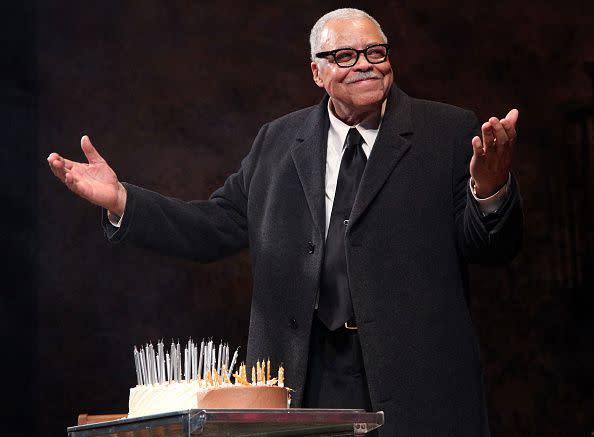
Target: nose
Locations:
point(362, 63)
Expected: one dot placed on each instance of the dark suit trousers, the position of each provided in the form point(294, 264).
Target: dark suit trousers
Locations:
point(335, 374)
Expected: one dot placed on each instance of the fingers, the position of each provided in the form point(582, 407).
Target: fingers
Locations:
point(488, 136)
point(509, 124)
point(512, 116)
point(67, 171)
point(90, 152)
point(63, 162)
point(498, 135)
point(491, 161)
point(477, 146)
point(501, 138)
point(57, 166)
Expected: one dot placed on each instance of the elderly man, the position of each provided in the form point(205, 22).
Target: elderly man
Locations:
point(361, 214)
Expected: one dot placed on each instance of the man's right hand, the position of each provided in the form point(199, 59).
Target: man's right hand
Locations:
point(95, 181)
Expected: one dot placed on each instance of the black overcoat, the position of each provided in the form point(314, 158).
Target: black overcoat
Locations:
point(413, 229)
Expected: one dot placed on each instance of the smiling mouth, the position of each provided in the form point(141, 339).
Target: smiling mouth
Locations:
point(362, 78)
point(367, 79)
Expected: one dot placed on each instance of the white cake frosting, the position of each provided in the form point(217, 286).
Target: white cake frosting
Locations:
point(161, 398)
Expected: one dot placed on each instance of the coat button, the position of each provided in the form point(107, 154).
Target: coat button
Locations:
point(311, 248)
point(293, 324)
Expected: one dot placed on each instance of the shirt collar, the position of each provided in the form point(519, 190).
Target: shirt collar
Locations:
point(341, 129)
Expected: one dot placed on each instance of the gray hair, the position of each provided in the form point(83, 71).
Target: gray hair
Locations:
point(315, 37)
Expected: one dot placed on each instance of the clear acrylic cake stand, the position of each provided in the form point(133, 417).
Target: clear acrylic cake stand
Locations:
point(282, 422)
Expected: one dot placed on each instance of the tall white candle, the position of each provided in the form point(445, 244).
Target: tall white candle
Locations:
point(233, 361)
point(201, 360)
point(168, 359)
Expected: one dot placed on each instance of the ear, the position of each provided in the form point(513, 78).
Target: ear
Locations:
point(315, 71)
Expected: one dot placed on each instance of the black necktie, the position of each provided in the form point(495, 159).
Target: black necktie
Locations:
point(335, 306)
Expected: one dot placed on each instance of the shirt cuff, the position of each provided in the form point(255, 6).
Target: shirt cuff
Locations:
point(492, 203)
point(114, 219)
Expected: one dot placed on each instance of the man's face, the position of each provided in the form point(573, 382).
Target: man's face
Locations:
point(350, 94)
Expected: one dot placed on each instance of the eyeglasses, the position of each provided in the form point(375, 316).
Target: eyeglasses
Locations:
point(347, 57)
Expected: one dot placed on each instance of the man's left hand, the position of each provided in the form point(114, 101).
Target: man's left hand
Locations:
point(491, 161)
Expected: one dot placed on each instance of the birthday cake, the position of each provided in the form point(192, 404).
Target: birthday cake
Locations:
point(204, 384)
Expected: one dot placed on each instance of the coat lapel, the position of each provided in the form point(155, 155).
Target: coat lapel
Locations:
point(390, 146)
point(309, 155)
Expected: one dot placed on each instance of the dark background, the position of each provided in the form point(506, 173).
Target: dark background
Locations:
point(173, 92)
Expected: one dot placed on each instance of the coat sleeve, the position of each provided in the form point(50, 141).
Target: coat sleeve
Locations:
point(492, 239)
point(198, 230)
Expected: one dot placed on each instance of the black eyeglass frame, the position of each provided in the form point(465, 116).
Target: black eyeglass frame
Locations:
point(364, 51)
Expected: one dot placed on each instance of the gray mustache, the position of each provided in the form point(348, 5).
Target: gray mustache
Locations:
point(363, 75)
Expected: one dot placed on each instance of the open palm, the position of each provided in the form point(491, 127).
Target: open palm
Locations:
point(94, 181)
